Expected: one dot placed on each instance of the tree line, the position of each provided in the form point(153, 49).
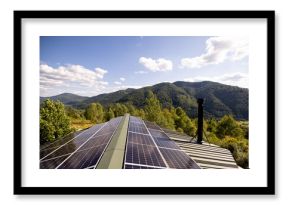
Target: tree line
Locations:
point(55, 122)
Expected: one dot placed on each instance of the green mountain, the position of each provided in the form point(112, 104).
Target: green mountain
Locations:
point(220, 99)
point(106, 99)
point(67, 99)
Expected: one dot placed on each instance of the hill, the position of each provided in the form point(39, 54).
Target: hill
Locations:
point(67, 99)
point(220, 99)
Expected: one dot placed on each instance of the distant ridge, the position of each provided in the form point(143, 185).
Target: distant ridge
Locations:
point(67, 98)
point(220, 99)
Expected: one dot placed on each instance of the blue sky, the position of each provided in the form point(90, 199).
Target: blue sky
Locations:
point(91, 65)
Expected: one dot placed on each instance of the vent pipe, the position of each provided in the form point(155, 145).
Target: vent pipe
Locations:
point(200, 121)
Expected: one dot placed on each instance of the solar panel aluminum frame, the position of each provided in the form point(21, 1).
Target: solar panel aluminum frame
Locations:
point(269, 16)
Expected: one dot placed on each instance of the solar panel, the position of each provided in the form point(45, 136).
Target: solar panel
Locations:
point(45, 152)
point(67, 148)
point(69, 145)
point(96, 141)
point(83, 158)
point(178, 159)
point(90, 153)
point(52, 163)
point(144, 155)
point(140, 139)
point(84, 150)
point(137, 127)
point(152, 125)
point(162, 140)
point(130, 166)
point(147, 147)
point(136, 120)
point(153, 150)
point(59, 142)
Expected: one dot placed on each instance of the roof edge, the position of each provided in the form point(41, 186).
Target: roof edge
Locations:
point(114, 154)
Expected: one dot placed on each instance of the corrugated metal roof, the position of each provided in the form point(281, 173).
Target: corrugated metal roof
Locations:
point(205, 155)
point(208, 156)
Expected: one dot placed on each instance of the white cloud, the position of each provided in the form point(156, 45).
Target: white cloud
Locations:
point(117, 83)
point(236, 79)
point(160, 64)
point(219, 49)
point(120, 82)
point(71, 78)
point(140, 72)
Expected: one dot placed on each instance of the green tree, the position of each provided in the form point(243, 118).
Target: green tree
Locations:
point(119, 109)
point(239, 149)
point(245, 127)
point(179, 130)
point(168, 119)
point(141, 113)
point(54, 123)
point(95, 113)
point(228, 126)
point(184, 122)
point(73, 113)
point(212, 125)
point(131, 109)
point(110, 114)
point(152, 108)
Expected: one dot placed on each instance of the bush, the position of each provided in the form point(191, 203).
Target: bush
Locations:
point(228, 127)
point(95, 113)
point(54, 123)
point(73, 113)
point(212, 138)
point(239, 149)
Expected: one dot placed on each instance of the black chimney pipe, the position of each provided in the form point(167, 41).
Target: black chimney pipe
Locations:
point(200, 121)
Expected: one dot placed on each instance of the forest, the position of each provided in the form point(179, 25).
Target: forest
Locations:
point(57, 120)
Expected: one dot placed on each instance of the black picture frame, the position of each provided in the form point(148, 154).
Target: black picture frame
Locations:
point(268, 190)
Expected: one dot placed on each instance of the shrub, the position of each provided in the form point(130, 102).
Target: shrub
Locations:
point(228, 127)
point(54, 123)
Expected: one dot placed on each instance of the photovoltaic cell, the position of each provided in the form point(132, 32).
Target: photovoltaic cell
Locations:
point(67, 148)
point(162, 140)
point(71, 145)
point(98, 140)
point(47, 151)
point(136, 120)
point(152, 125)
point(178, 159)
point(52, 163)
point(59, 142)
point(83, 159)
point(143, 154)
point(140, 139)
point(90, 153)
point(129, 166)
point(136, 127)
point(83, 151)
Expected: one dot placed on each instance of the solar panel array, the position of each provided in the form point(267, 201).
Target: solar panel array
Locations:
point(80, 150)
point(141, 150)
point(148, 147)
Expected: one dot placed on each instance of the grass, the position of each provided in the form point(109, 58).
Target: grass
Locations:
point(80, 124)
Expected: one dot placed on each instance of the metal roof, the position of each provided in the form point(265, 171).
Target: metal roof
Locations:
point(205, 155)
